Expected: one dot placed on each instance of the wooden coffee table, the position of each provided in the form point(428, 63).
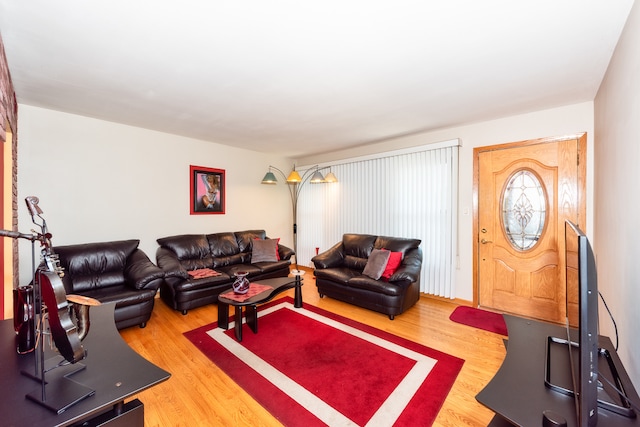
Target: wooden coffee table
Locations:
point(272, 287)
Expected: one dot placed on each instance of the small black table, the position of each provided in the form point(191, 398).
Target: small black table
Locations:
point(275, 287)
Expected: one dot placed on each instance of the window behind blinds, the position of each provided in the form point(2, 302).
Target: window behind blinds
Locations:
point(410, 193)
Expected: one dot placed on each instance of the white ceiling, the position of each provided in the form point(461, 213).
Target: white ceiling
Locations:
point(298, 77)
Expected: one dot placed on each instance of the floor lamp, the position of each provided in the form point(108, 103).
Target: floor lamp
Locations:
point(296, 182)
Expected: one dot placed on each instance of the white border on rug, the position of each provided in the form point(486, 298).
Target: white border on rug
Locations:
point(388, 412)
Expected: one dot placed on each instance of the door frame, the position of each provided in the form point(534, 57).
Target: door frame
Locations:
point(581, 188)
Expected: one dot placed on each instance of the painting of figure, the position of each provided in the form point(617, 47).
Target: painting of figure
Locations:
point(207, 190)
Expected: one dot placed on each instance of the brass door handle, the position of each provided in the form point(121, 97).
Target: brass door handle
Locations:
point(484, 242)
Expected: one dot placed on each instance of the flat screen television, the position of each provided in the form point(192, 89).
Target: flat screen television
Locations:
point(581, 264)
point(580, 352)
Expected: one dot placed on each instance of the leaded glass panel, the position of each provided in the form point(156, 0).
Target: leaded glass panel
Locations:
point(524, 208)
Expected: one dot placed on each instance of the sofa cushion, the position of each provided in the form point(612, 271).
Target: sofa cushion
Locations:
point(358, 245)
point(340, 275)
point(396, 244)
point(223, 244)
point(95, 265)
point(369, 284)
point(232, 269)
point(355, 263)
point(270, 267)
point(225, 261)
point(410, 267)
point(122, 295)
point(278, 257)
point(376, 263)
point(203, 283)
point(187, 246)
point(264, 250)
point(246, 238)
point(395, 258)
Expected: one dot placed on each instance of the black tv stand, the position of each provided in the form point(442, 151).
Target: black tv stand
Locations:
point(518, 394)
point(553, 419)
point(557, 377)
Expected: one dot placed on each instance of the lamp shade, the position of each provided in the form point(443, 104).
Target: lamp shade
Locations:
point(330, 177)
point(269, 178)
point(317, 178)
point(294, 176)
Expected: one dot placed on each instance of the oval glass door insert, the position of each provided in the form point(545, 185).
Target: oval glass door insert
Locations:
point(524, 208)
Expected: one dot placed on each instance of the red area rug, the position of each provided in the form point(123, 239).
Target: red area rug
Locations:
point(481, 319)
point(310, 367)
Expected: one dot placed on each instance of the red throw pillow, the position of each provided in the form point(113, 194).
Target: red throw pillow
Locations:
point(395, 258)
point(277, 251)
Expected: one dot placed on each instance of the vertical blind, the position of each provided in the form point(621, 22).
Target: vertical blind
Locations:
point(401, 194)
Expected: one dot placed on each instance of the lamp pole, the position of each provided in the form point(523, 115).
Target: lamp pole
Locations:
point(296, 182)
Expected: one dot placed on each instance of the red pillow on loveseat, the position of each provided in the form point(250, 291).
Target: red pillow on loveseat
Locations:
point(395, 258)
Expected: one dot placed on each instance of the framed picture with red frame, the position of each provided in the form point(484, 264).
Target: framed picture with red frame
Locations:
point(206, 190)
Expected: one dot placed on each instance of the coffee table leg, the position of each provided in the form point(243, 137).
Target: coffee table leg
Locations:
point(297, 301)
point(223, 315)
point(251, 313)
point(238, 325)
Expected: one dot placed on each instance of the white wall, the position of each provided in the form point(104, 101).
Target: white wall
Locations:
point(101, 181)
point(567, 120)
point(617, 228)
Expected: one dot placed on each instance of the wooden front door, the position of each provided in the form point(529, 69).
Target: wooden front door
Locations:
point(525, 192)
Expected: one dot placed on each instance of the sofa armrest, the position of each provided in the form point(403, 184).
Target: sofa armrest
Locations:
point(332, 257)
point(170, 264)
point(141, 273)
point(410, 267)
point(285, 252)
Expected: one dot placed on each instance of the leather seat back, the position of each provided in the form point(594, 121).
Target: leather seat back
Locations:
point(245, 238)
point(357, 248)
point(192, 250)
point(95, 265)
point(397, 244)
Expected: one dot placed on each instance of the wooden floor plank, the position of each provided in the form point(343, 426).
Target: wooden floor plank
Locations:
point(199, 393)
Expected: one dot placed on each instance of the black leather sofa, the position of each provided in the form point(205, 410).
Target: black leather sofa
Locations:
point(183, 256)
point(339, 273)
point(116, 271)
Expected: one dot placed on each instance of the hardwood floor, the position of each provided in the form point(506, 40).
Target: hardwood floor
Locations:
point(200, 394)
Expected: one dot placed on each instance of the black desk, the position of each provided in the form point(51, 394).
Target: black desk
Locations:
point(518, 394)
point(113, 370)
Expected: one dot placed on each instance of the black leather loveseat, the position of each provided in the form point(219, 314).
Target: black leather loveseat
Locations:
point(115, 271)
point(343, 272)
point(199, 267)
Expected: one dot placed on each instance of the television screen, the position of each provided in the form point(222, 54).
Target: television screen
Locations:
point(581, 266)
